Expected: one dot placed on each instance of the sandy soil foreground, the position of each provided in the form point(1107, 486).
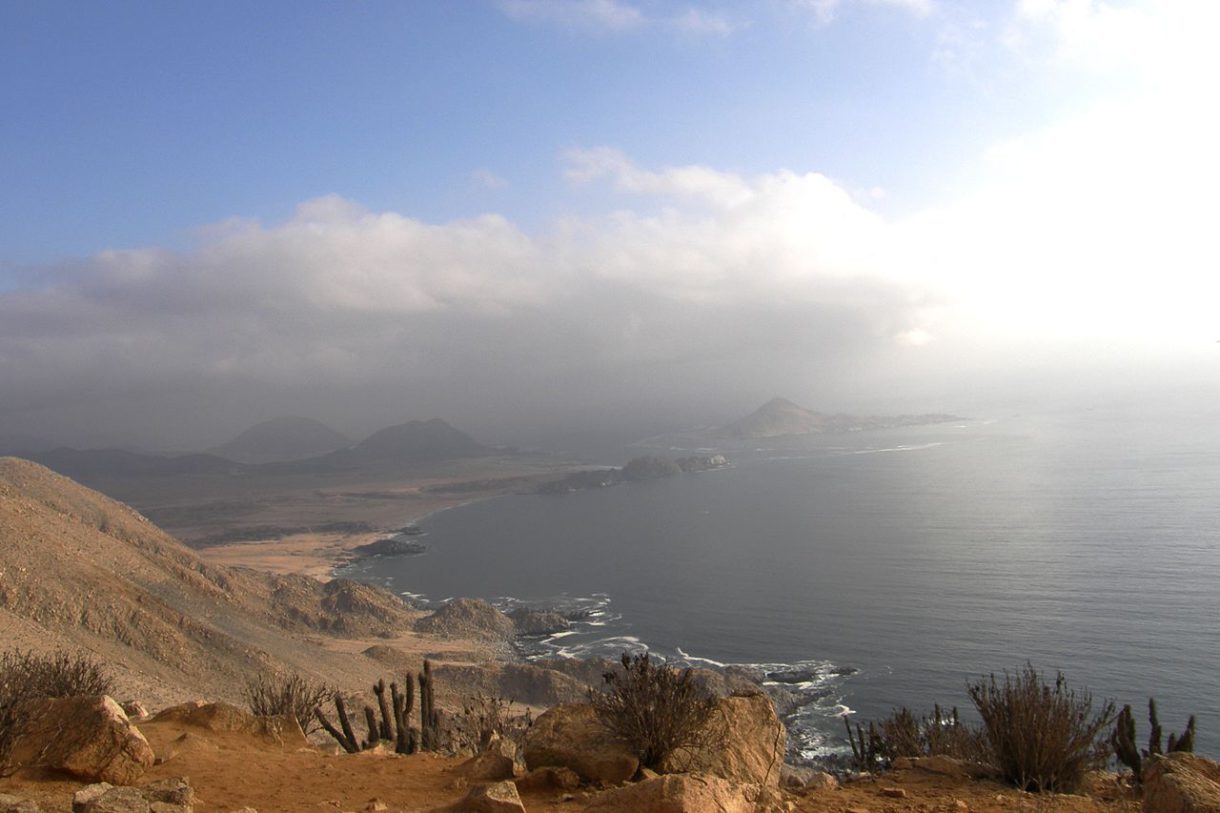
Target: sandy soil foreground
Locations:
point(230, 771)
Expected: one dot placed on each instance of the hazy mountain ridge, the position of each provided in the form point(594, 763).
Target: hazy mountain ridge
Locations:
point(282, 439)
point(780, 417)
point(402, 444)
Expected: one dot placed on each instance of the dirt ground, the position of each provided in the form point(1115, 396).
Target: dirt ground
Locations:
point(231, 771)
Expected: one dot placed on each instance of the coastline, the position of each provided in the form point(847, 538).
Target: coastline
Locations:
point(318, 555)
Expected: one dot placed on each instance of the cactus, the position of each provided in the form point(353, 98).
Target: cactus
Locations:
point(394, 724)
point(386, 728)
point(1122, 740)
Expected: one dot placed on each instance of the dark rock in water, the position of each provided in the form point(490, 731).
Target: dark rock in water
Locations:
point(411, 530)
point(792, 676)
point(538, 622)
point(391, 547)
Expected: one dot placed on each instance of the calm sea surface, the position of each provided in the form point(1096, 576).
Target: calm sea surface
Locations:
point(891, 566)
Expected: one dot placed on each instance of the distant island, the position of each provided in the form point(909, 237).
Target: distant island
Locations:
point(780, 417)
point(638, 469)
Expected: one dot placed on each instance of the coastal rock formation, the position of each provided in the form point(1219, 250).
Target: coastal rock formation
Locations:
point(675, 793)
point(1181, 783)
point(571, 736)
point(467, 618)
point(528, 621)
point(745, 743)
point(89, 737)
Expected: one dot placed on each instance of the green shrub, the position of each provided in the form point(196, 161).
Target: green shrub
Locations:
point(654, 708)
point(1042, 737)
point(272, 694)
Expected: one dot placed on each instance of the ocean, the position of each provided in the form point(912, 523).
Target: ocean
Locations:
point(880, 569)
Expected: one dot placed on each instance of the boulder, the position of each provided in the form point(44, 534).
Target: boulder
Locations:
point(541, 779)
point(493, 764)
point(1181, 783)
point(15, 804)
point(571, 736)
point(945, 766)
point(88, 737)
point(105, 798)
point(745, 743)
point(282, 729)
point(801, 777)
point(528, 621)
point(500, 797)
point(675, 793)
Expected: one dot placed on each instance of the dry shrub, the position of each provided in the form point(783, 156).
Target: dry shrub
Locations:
point(1042, 737)
point(270, 694)
point(483, 718)
point(26, 676)
point(654, 708)
point(905, 735)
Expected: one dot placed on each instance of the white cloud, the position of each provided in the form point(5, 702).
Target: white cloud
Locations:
point(617, 16)
point(825, 11)
point(486, 179)
point(611, 15)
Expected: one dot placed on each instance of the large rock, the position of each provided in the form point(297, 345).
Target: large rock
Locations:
point(745, 743)
point(173, 795)
point(1181, 783)
point(282, 729)
point(571, 736)
point(88, 737)
point(493, 764)
point(15, 804)
point(675, 793)
point(500, 797)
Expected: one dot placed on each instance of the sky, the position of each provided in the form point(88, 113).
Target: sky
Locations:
point(549, 216)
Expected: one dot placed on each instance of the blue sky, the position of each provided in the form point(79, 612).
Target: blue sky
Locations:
point(242, 203)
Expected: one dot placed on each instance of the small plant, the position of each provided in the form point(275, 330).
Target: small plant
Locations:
point(272, 694)
point(1122, 739)
point(1043, 737)
point(654, 708)
point(868, 752)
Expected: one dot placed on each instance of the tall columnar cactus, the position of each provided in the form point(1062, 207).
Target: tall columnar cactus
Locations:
point(1122, 739)
point(429, 722)
point(395, 723)
point(386, 729)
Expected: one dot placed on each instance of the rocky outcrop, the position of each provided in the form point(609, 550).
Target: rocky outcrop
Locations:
point(548, 779)
point(280, 729)
point(88, 737)
point(467, 618)
point(571, 736)
point(165, 796)
point(493, 764)
point(675, 793)
point(500, 797)
point(528, 621)
point(1181, 783)
point(15, 804)
point(744, 743)
point(802, 777)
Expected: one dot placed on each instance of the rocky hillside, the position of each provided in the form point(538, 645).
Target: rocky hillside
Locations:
point(80, 570)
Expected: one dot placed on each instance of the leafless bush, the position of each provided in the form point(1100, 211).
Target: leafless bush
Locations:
point(905, 735)
point(270, 694)
point(25, 676)
point(654, 708)
point(1043, 737)
point(485, 717)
